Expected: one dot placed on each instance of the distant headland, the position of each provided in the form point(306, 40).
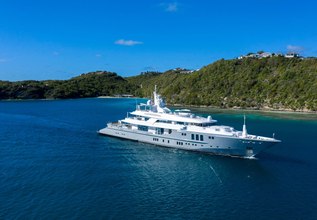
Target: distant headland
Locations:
point(254, 81)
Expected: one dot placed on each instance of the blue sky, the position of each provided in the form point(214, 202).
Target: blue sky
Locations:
point(63, 38)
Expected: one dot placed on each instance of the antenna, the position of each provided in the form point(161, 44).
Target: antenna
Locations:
point(244, 128)
point(155, 96)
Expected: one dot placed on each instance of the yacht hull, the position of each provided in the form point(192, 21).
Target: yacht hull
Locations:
point(221, 145)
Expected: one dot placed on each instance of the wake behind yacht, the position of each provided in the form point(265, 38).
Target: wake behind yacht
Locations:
point(154, 123)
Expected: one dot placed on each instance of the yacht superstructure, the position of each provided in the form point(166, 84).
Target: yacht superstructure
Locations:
point(154, 123)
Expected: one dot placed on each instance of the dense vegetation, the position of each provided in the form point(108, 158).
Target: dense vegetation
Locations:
point(93, 84)
point(275, 82)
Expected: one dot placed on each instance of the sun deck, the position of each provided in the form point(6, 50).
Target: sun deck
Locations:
point(174, 117)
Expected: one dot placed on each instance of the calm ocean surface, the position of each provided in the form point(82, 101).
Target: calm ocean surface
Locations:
point(53, 165)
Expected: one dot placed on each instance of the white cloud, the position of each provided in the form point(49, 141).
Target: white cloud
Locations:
point(170, 7)
point(3, 60)
point(293, 48)
point(127, 42)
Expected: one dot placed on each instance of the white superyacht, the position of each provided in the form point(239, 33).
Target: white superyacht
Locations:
point(156, 124)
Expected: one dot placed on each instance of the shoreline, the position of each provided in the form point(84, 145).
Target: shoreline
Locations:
point(288, 115)
point(265, 109)
point(116, 97)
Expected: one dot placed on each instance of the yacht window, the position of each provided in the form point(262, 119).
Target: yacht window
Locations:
point(201, 138)
point(159, 130)
point(197, 137)
point(142, 128)
point(227, 129)
point(169, 131)
point(193, 137)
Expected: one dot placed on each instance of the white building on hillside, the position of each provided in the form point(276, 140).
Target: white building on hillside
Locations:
point(291, 55)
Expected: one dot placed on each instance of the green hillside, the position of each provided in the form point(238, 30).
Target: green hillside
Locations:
point(92, 84)
point(276, 83)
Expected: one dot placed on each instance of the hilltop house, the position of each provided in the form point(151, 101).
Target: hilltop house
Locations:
point(261, 55)
point(291, 55)
point(265, 54)
point(183, 70)
point(258, 55)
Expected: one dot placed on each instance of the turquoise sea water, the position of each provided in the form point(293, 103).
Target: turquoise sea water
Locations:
point(53, 165)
